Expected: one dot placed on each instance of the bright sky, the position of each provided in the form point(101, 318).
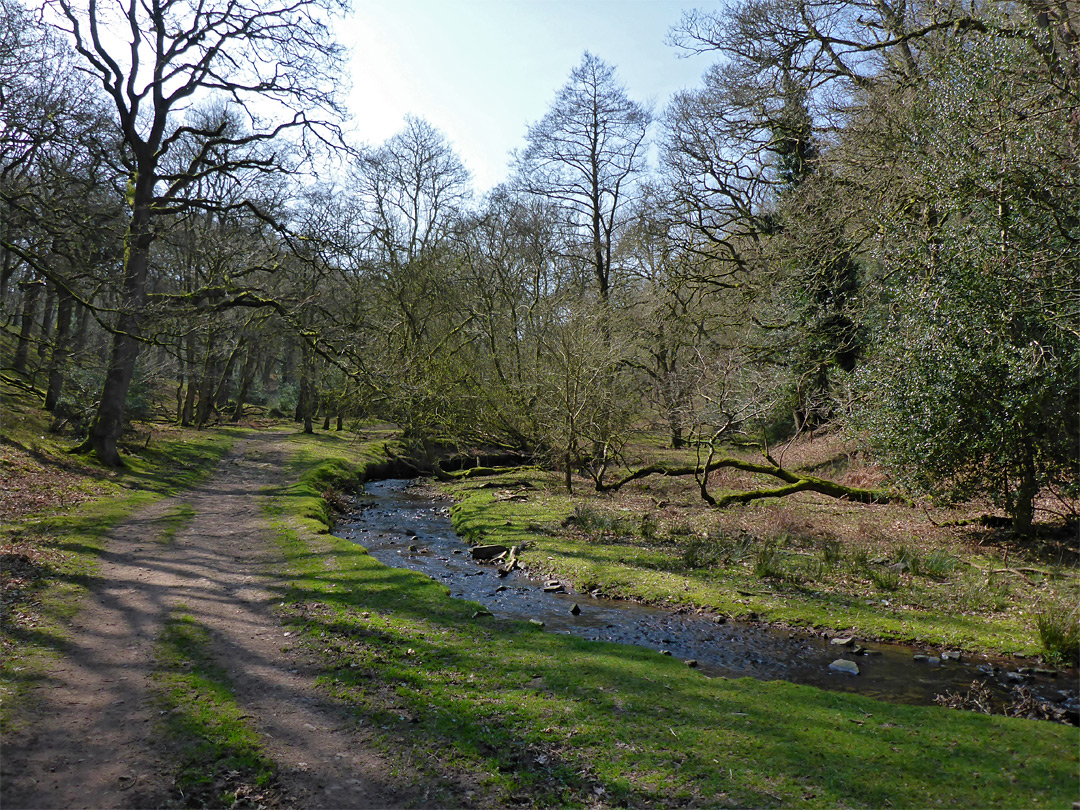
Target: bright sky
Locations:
point(483, 70)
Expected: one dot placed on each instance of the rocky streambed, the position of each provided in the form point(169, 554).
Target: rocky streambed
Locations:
point(402, 526)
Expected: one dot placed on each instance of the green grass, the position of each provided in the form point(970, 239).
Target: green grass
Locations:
point(541, 719)
point(791, 579)
point(218, 756)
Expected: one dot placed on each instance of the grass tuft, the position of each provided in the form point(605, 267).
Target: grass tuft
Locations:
point(1058, 625)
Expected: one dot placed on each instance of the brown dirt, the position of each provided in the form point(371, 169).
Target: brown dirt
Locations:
point(90, 739)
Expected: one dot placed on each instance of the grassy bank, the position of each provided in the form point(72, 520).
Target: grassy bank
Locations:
point(57, 512)
point(499, 713)
point(878, 571)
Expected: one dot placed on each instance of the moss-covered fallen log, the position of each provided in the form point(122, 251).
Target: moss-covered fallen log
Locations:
point(794, 482)
point(471, 472)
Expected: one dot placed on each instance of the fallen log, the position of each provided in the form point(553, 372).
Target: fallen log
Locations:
point(794, 482)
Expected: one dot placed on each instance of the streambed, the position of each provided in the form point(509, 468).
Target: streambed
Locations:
point(403, 527)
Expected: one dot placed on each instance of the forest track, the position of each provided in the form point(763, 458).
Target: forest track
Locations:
point(91, 737)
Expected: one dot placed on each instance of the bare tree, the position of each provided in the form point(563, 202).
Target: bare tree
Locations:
point(276, 62)
point(409, 193)
point(585, 154)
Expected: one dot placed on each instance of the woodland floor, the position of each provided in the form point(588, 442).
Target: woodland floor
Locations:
point(89, 738)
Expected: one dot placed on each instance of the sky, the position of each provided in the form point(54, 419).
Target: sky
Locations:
point(482, 70)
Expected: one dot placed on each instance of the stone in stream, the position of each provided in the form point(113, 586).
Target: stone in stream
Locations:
point(692, 663)
point(536, 622)
point(843, 665)
point(844, 641)
point(575, 610)
point(554, 586)
point(487, 552)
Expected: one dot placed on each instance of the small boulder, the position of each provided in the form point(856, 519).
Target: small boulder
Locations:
point(692, 663)
point(536, 623)
point(843, 665)
point(575, 610)
point(843, 641)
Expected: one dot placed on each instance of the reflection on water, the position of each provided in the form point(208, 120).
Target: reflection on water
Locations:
point(392, 518)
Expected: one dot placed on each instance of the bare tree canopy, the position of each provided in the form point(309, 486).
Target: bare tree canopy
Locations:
point(585, 154)
point(276, 63)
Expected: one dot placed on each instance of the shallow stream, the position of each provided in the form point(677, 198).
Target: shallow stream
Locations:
point(403, 527)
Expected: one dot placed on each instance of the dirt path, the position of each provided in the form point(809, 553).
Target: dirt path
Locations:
point(95, 743)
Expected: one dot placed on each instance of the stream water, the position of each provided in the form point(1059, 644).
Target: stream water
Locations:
point(403, 527)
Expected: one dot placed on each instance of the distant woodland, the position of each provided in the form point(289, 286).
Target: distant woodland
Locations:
point(865, 218)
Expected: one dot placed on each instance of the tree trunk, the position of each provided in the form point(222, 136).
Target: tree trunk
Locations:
point(109, 421)
point(1024, 503)
point(45, 344)
point(187, 412)
point(305, 402)
point(26, 325)
point(247, 377)
point(207, 389)
point(59, 355)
